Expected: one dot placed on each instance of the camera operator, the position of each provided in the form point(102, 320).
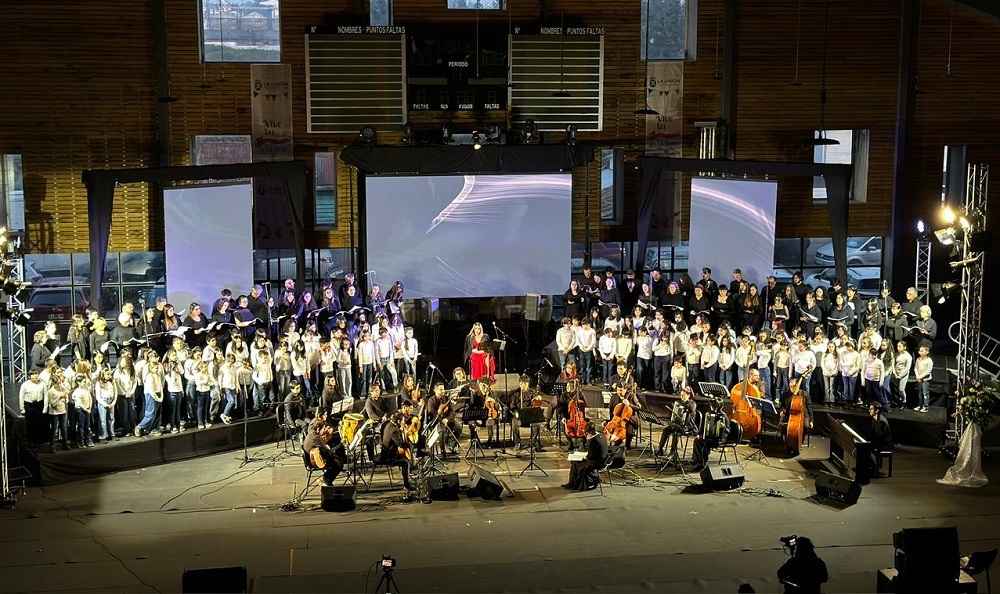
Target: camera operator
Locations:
point(804, 572)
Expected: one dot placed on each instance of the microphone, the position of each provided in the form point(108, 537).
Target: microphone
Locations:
point(494, 324)
point(547, 362)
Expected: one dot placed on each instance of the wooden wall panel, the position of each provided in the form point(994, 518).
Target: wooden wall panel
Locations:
point(80, 94)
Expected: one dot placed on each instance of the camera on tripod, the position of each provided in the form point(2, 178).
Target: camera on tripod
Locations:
point(388, 563)
point(789, 542)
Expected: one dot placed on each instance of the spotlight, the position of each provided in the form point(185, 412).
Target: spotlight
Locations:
point(407, 129)
point(19, 290)
point(980, 241)
point(920, 227)
point(948, 215)
point(946, 236)
point(940, 292)
point(23, 317)
point(476, 144)
point(571, 134)
point(368, 136)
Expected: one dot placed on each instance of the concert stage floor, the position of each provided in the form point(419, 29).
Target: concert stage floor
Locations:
point(137, 531)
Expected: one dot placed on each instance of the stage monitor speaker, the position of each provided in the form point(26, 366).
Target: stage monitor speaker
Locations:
point(432, 311)
point(443, 487)
point(532, 306)
point(837, 487)
point(927, 559)
point(339, 499)
point(718, 477)
point(215, 579)
point(485, 482)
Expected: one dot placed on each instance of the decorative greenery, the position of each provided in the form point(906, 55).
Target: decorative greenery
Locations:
point(980, 402)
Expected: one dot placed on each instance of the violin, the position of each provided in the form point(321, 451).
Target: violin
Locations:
point(537, 401)
point(796, 417)
point(576, 422)
point(491, 407)
point(744, 412)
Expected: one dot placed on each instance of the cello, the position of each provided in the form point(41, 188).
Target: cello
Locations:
point(796, 417)
point(744, 413)
point(616, 431)
point(576, 422)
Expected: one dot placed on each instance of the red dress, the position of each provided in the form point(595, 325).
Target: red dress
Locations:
point(481, 363)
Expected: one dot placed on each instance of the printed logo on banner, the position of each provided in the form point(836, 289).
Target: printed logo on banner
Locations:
point(664, 138)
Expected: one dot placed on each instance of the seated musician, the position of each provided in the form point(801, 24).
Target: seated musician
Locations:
point(715, 428)
point(316, 443)
point(442, 411)
point(475, 406)
point(624, 387)
point(786, 402)
point(881, 434)
point(583, 473)
point(376, 413)
point(406, 389)
point(394, 448)
point(556, 410)
point(679, 423)
point(575, 394)
point(414, 436)
point(293, 409)
point(493, 411)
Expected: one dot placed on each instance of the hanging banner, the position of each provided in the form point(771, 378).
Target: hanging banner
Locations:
point(665, 95)
point(271, 116)
point(664, 138)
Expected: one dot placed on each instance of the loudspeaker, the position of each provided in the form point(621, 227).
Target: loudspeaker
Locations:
point(215, 579)
point(532, 306)
point(836, 487)
point(338, 499)
point(443, 487)
point(432, 311)
point(485, 482)
point(722, 476)
point(927, 559)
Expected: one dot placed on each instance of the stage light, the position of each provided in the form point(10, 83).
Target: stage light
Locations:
point(19, 290)
point(946, 236)
point(920, 226)
point(407, 129)
point(476, 144)
point(529, 130)
point(964, 223)
point(980, 241)
point(23, 317)
point(446, 137)
point(940, 292)
point(948, 215)
point(368, 136)
point(571, 134)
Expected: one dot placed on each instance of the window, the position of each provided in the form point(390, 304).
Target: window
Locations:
point(221, 149)
point(852, 149)
point(380, 13)
point(325, 181)
point(612, 165)
point(240, 31)
point(11, 192)
point(478, 4)
point(672, 34)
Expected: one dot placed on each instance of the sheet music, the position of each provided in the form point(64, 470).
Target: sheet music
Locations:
point(576, 456)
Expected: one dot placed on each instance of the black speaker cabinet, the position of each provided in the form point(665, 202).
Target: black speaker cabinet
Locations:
point(927, 559)
point(339, 499)
point(719, 477)
point(443, 487)
point(215, 579)
point(836, 487)
point(532, 305)
point(485, 482)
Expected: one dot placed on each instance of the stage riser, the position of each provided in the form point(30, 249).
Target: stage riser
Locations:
point(130, 453)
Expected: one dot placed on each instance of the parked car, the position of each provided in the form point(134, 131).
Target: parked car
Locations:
point(139, 267)
point(57, 301)
point(661, 257)
point(866, 280)
point(861, 251)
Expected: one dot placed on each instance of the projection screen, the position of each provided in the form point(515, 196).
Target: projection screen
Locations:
point(209, 243)
point(471, 235)
point(732, 226)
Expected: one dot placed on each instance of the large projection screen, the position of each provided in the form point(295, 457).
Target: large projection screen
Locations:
point(732, 226)
point(209, 243)
point(470, 235)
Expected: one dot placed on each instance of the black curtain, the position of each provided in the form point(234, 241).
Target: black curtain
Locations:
point(101, 185)
point(458, 159)
point(652, 172)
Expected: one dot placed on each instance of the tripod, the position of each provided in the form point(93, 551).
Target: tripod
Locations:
point(387, 580)
point(247, 459)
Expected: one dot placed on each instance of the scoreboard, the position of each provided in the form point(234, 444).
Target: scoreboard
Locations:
point(457, 69)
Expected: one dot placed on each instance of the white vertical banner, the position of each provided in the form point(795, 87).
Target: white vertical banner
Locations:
point(271, 116)
point(665, 95)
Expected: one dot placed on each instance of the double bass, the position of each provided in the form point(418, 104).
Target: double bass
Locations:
point(744, 412)
point(796, 428)
point(576, 422)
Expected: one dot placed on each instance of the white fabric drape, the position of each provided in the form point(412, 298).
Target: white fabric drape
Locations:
point(967, 471)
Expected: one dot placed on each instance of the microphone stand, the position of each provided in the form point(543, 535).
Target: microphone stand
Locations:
point(503, 365)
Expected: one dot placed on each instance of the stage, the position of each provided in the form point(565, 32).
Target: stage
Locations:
point(139, 530)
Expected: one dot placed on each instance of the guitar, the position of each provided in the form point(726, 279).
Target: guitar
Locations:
point(316, 454)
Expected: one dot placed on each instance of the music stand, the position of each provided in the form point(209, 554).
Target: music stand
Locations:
point(650, 420)
point(356, 452)
point(471, 416)
point(344, 406)
point(763, 405)
point(432, 439)
point(714, 390)
point(532, 415)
